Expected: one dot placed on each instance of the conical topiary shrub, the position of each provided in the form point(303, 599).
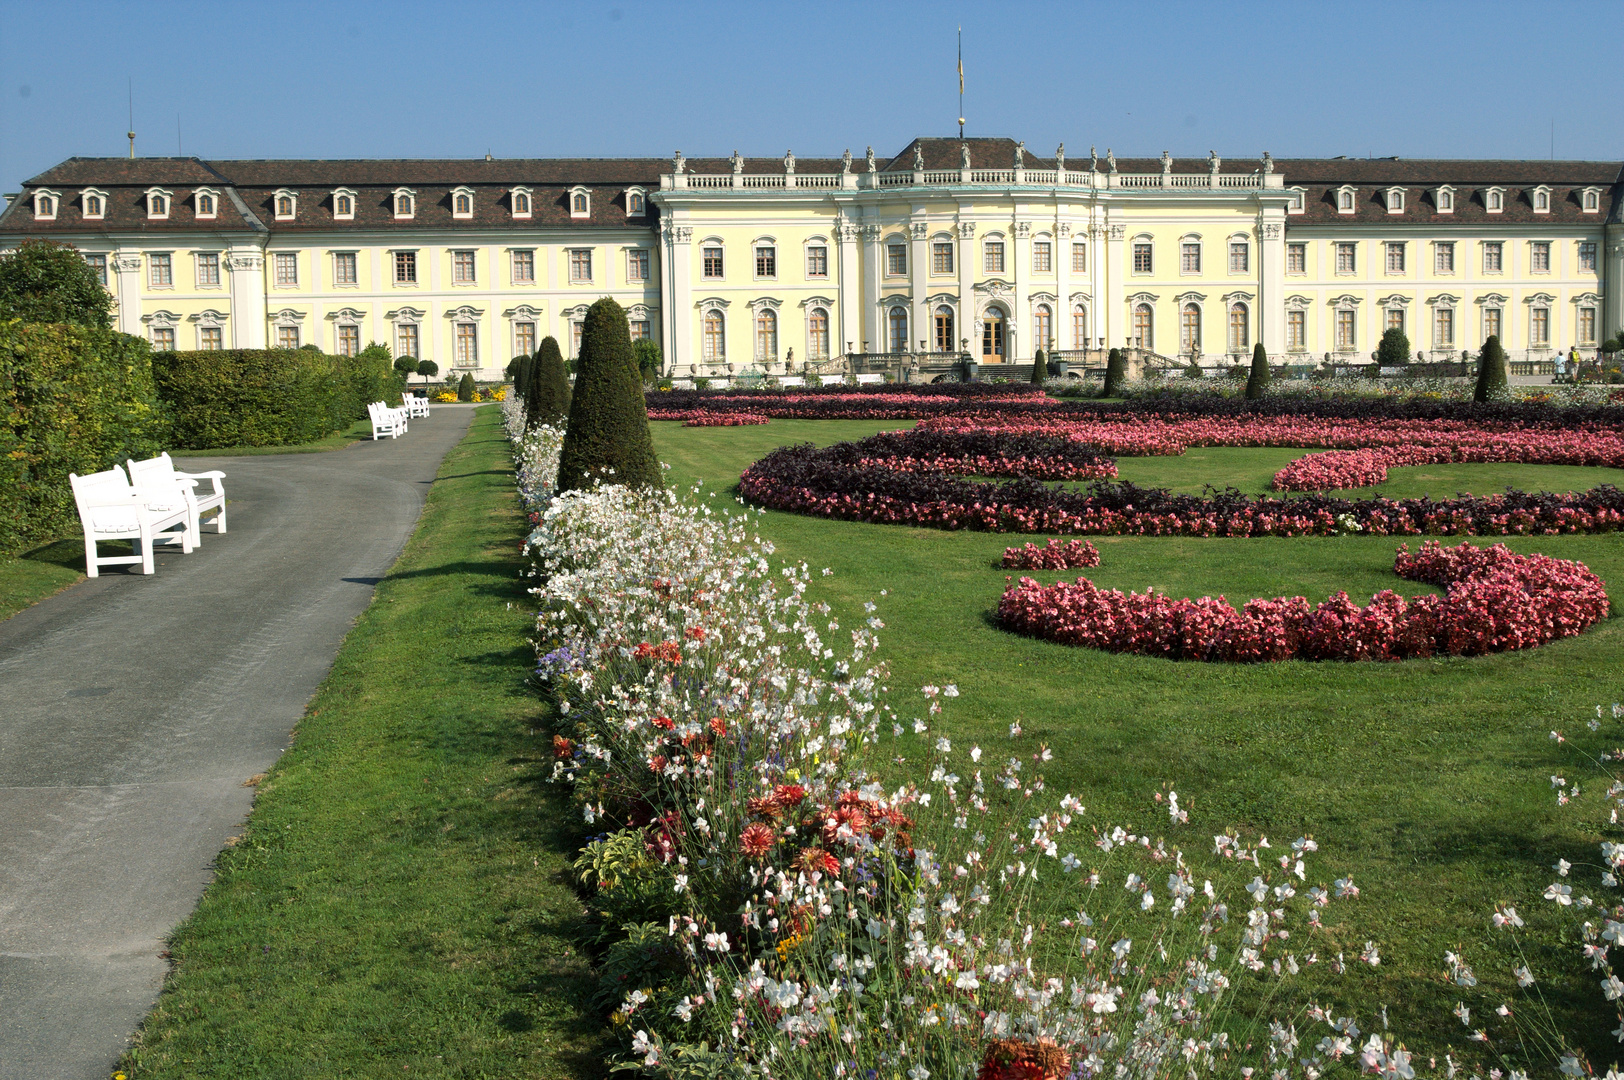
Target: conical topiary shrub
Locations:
point(465, 387)
point(607, 440)
point(1257, 381)
point(515, 372)
point(1491, 370)
point(1040, 367)
point(547, 386)
point(1116, 370)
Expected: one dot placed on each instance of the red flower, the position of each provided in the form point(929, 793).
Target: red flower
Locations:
point(718, 726)
point(1012, 1059)
point(696, 633)
point(756, 840)
point(787, 795)
point(817, 861)
point(562, 747)
point(664, 723)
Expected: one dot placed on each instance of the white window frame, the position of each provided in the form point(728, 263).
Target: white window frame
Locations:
point(580, 215)
point(394, 267)
point(1395, 200)
point(937, 243)
point(168, 258)
point(472, 264)
point(1535, 310)
point(513, 266)
point(895, 246)
point(1590, 200)
point(1540, 199)
point(1143, 240)
point(770, 245)
point(1441, 249)
point(98, 265)
point(292, 198)
point(1351, 247)
point(1499, 249)
point(159, 202)
point(638, 194)
point(570, 257)
point(1242, 244)
point(1047, 245)
point(395, 198)
point(277, 263)
point(46, 203)
point(198, 260)
point(1401, 249)
point(514, 195)
point(721, 257)
point(1581, 307)
point(1534, 247)
point(469, 360)
point(1079, 254)
point(515, 337)
point(632, 254)
point(344, 193)
point(84, 204)
point(1301, 247)
point(990, 246)
point(1296, 329)
point(813, 352)
point(1299, 200)
point(1189, 246)
point(807, 247)
point(198, 196)
point(1494, 200)
point(1595, 257)
point(1443, 199)
point(462, 191)
point(356, 264)
point(1347, 199)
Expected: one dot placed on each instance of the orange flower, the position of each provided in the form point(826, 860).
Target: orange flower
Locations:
point(1012, 1059)
point(718, 726)
point(817, 861)
point(562, 747)
point(756, 840)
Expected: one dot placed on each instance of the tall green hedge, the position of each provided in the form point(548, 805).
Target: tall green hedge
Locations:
point(607, 439)
point(72, 399)
point(252, 397)
point(547, 386)
point(1257, 381)
point(1491, 371)
point(366, 377)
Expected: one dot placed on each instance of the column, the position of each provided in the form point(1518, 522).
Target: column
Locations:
point(127, 265)
point(249, 310)
point(1019, 345)
point(966, 328)
point(872, 329)
point(1062, 283)
point(1117, 325)
point(675, 288)
point(1271, 296)
point(851, 284)
point(919, 271)
point(1612, 283)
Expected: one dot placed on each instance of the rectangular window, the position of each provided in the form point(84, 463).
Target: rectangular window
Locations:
point(1345, 338)
point(344, 270)
point(817, 261)
point(1079, 328)
point(208, 269)
point(287, 268)
point(1443, 329)
point(1587, 257)
point(1395, 257)
point(406, 339)
point(1491, 323)
point(1346, 258)
point(711, 262)
point(209, 339)
point(1240, 257)
point(637, 265)
point(98, 263)
point(1042, 257)
point(287, 337)
point(941, 257)
point(896, 260)
point(349, 340)
point(1395, 319)
point(467, 347)
point(1493, 252)
point(1587, 326)
point(580, 264)
point(992, 257)
point(1079, 257)
point(1297, 259)
point(640, 329)
point(524, 338)
point(766, 261)
point(462, 267)
point(406, 272)
point(1141, 259)
point(575, 338)
point(1539, 257)
point(163, 339)
point(1189, 259)
point(160, 272)
point(1443, 258)
point(524, 268)
point(1296, 330)
point(1539, 325)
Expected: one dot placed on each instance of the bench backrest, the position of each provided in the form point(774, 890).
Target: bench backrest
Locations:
point(792, 380)
point(99, 488)
point(869, 380)
point(153, 472)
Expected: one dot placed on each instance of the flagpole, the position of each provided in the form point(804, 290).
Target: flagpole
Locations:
point(961, 84)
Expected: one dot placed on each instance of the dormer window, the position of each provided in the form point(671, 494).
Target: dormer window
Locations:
point(344, 204)
point(580, 203)
point(1299, 201)
point(1344, 200)
point(405, 204)
point(1494, 200)
point(1590, 200)
point(1444, 197)
point(205, 204)
point(1542, 199)
point(45, 204)
point(519, 198)
point(93, 204)
point(286, 204)
point(158, 204)
point(462, 202)
point(636, 202)
point(1395, 200)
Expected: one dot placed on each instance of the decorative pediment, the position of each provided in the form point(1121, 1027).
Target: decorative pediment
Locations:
point(1081, 298)
point(1586, 298)
point(896, 298)
point(765, 303)
point(1190, 298)
point(1298, 302)
point(1238, 297)
point(1492, 299)
point(711, 302)
point(209, 317)
point(466, 311)
point(1539, 298)
point(1394, 301)
point(523, 311)
point(288, 317)
point(404, 315)
point(1143, 298)
point(1345, 300)
point(1443, 300)
point(166, 319)
point(817, 301)
point(994, 287)
point(577, 312)
point(347, 315)
point(942, 298)
point(640, 311)
point(1045, 298)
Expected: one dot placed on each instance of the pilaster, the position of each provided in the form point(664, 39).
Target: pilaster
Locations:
point(249, 307)
point(1612, 283)
point(873, 326)
point(1271, 297)
point(919, 267)
point(967, 253)
point(1019, 329)
point(127, 264)
point(851, 284)
point(676, 290)
point(1062, 283)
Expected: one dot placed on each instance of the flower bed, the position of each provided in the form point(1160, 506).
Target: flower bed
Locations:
point(850, 402)
point(710, 419)
point(1055, 555)
point(1494, 601)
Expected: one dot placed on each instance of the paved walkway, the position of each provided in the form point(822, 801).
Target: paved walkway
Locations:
point(133, 708)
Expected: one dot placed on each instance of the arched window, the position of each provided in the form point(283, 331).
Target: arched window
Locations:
point(715, 345)
point(205, 206)
point(817, 333)
point(1345, 201)
point(403, 206)
point(284, 206)
point(344, 205)
point(1542, 199)
point(521, 203)
point(944, 330)
point(1239, 337)
point(1042, 327)
point(157, 206)
point(635, 204)
point(1189, 329)
point(766, 334)
point(1144, 327)
point(899, 329)
point(1079, 327)
point(578, 203)
point(93, 206)
point(465, 205)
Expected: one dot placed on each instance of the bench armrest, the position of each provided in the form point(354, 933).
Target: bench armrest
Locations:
point(212, 474)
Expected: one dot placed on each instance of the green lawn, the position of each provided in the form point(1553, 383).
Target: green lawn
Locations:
point(397, 904)
point(32, 576)
point(1428, 779)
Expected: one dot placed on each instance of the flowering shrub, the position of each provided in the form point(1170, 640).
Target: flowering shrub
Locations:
point(710, 419)
point(1494, 600)
point(850, 402)
point(1054, 555)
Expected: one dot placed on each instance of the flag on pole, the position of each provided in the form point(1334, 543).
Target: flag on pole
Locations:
point(961, 60)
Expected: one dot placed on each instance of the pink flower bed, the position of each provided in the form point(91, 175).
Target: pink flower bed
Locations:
point(1494, 600)
point(1055, 555)
point(710, 419)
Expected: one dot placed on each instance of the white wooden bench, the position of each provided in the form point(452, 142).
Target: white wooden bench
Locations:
point(110, 508)
point(386, 421)
point(414, 405)
point(792, 380)
point(870, 380)
point(830, 380)
point(160, 474)
point(682, 384)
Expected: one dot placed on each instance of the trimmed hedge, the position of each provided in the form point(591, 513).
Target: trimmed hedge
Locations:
point(607, 437)
point(73, 399)
point(547, 386)
point(1257, 381)
point(253, 397)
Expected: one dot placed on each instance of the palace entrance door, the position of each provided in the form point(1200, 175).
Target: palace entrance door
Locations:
point(992, 337)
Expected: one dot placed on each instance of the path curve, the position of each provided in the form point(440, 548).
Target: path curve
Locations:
point(132, 710)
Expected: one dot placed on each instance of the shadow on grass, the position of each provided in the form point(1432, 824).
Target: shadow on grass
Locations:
point(69, 554)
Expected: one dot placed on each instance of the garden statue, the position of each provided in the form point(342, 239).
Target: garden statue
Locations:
point(1268, 163)
point(1213, 161)
point(1167, 163)
point(845, 162)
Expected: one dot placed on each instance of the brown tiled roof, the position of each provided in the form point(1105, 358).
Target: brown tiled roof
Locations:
point(447, 172)
point(374, 207)
point(146, 171)
point(1434, 171)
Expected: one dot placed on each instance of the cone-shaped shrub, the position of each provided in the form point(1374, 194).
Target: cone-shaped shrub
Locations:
point(1258, 381)
point(1116, 369)
point(465, 387)
point(1491, 370)
point(547, 386)
point(1040, 368)
point(607, 439)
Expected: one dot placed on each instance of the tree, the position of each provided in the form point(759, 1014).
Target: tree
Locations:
point(1394, 348)
point(405, 367)
point(1258, 381)
point(428, 369)
point(1040, 368)
point(547, 386)
point(607, 438)
point(1116, 370)
point(649, 362)
point(47, 282)
point(465, 387)
point(512, 370)
point(1491, 370)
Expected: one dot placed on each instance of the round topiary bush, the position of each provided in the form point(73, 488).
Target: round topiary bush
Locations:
point(607, 439)
point(465, 387)
point(547, 386)
point(1258, 380)
point(1491, 371)
point(1116, 370)
point(428, 369)
point(1394, 349)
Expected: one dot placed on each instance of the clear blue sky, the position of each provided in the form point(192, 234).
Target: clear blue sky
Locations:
point(286, 78)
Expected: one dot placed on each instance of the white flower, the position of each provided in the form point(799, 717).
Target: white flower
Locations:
point(1525, 978)
point(1562, 894)
point(1070, 862)
point(918, 1072)
point(716, 942)
point(967, 981)
point(1562, 867)
point(1612, 988)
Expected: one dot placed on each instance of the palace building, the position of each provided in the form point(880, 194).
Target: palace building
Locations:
point(952, 246)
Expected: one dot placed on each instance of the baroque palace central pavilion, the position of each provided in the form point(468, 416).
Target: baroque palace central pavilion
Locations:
point(952, 246)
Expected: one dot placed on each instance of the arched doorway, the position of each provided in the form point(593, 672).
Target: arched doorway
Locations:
point(993, 327)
